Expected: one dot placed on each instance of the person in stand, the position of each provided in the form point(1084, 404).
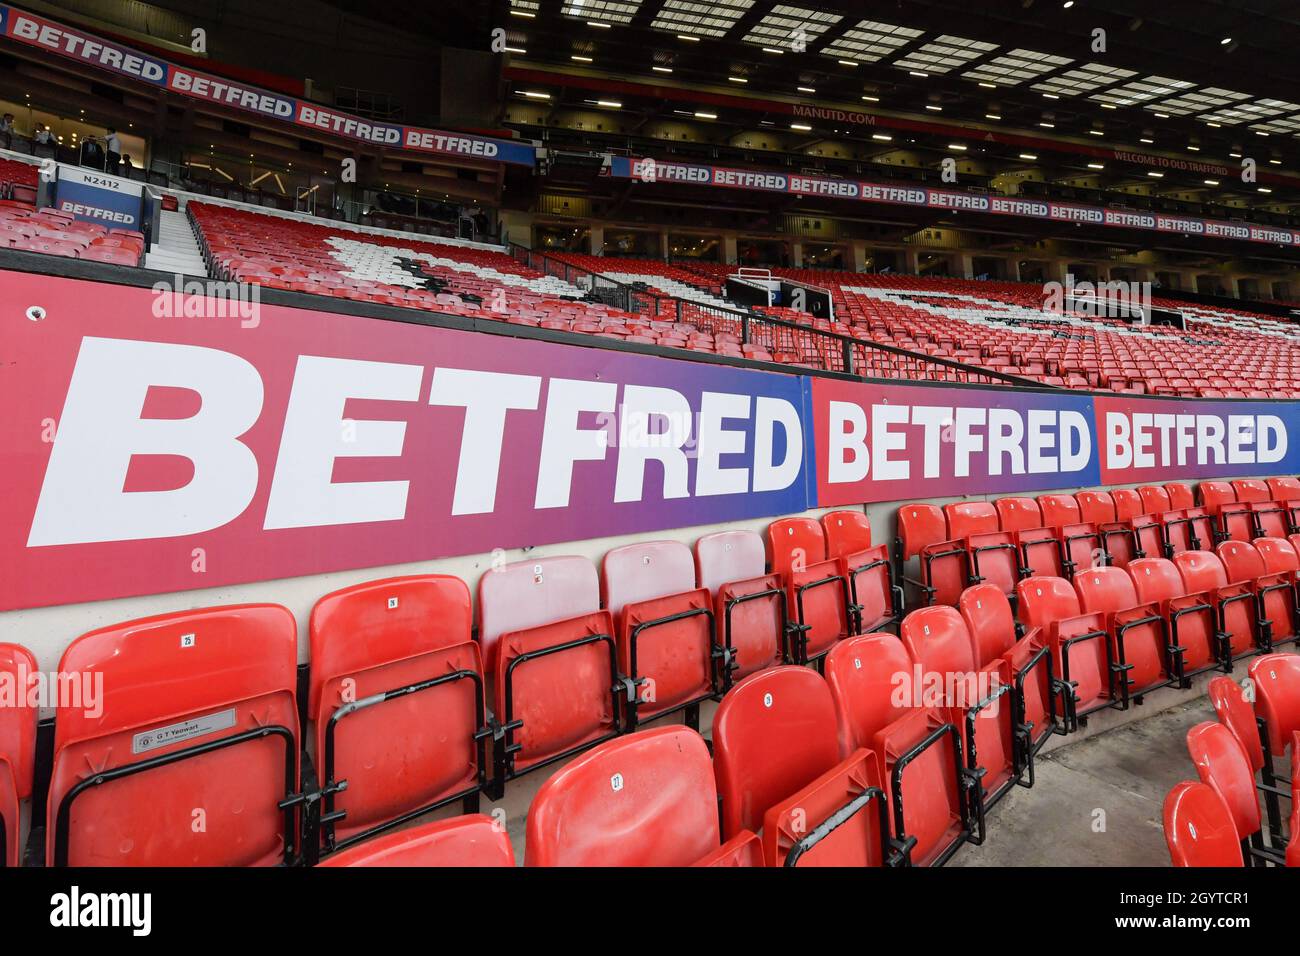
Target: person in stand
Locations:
point(113, 146)
point(7, 130)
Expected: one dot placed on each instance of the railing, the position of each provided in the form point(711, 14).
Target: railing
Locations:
point(786, 342)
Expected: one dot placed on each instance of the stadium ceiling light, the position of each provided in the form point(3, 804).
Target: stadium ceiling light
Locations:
point(1146, 139)
point(1109, 106)
point(706, 115)
point(523, 13)
point(1263, 189)
point(598, 25)
point(737, 79)
point(534, 95)
point(772, 49)
point(1235, 155)
point(989, 86)
point(581, 59)
point(846, 63)
point(1225, 41)
point(1068, 4)
point(992, 116)
point(934, 109)
point(1261, 133)
point(805, 89)
point(871, 99)
point(1155, 175)
point(662, 69)
point(688, 38)
point(1194, 149)
point(1097, 132)
point(1162, 115)
point(1047, 125)
point(801, 127)
point(1276, 162)
point(1211, 182)
point(882, 137)
point(1215, 125)
point(1029, 156)
point(958, 147)
point(917, 73)
point(612, 104)
point(1050, 96)
point(1096, 165)
point(515, 49)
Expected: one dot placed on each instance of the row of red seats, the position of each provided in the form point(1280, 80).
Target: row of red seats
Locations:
point(805, 770)
point(55, 233)
point(1061, 535)
point(563, 657)
point(1217, 821)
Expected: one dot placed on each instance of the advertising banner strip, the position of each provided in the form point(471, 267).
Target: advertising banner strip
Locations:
point(97, 197)
point(723, 177)
point(72, 43)
point(155, 441)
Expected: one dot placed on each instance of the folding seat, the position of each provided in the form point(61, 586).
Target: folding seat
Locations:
point(1223, 766)
point(745, 849)
point(1138, 632)
point(1251, 490)
point(1081, 654)
point(1040, 553)
point(475, 840)
point(1058, 510)
point(774, 750)
point(555, 680)
point(1096, 507)
point(1238, 715)
point(197, 719)
point(1286, 491)
point(1277, 699)
point(1231, 518)
point(1191, 621)
point(1018, 514)
point(1279, 593)
point(862, 673)
point(1199, 829)
point(817, 593)
point(1271, 519)
point(978, 700)
point(396, 700)
point(923, 534)
point(664, 624)
point(1180, 496)
point(1275, 593)
point(874, 599)
point(749, 604)
point(1203, 572)
point(17, 749)
point(1128, 503)
point(992, 627)
point(1187, 530)
point(646, 799)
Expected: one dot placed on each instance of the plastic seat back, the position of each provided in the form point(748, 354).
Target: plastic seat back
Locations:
point(729, 556)
point(474, 840)
point(17, 748)
point(1216, 494)
point(414, 749)
point(1251, 489)
point(989, 621)
point(773, 733)
point(1180, 496)
point(1284, 488)
point(645, 799)
point(847, 532)
point(1198, 827)
point(995, 559)
point(1105, 590)
point(937, 640)
point(795, 544)
point(172, 683)
point(862, 674)
point(1222, 765)
point(1241, 561)
point(1155, 580)
point(1058, 510)
point(1096, 507)
point(1040, 552)
point(1018, 514)
point(1236, 713)
point(1155, 500)
point(966, 518)
point(920, 525)
point(644, 571)
point(525, 594)
point(1128, 503)
point(1041, 600)
point(1277, 697)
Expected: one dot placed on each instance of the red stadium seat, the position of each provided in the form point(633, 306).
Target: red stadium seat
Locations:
point(847, 532)
point(1222, 765)
point(473, 841)
point(994, 558)
point(1277, 698)
point(1040, 553)
point(1081, 548)
point(940, 645)
point(1190, 529)
point(1278, 592)
point(17, 749)
point(1078, 642)
point(1058, 510)
point(646, 799)
point(1180, 496)
point(1203, 573)
point(774, 740)
point(1274, 593)
point(555, 686)
point(1138, 632)
point(817, 593)
point(396, 700)
point(1096, 507)
point(749, 604)
point(1018, 514)
point(1238, 715)
point(199, 710)
point(1199, 829)
point(665, 629)
point(1155, 500)
point(921, 757)
point(923, 533)
point(1128, 503)
point(1190, 621)
point(966, 518)
point(745, 849)
point(862, 673)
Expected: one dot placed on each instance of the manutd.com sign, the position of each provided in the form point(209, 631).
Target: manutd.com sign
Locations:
point(145, 454)
point(71, 43)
